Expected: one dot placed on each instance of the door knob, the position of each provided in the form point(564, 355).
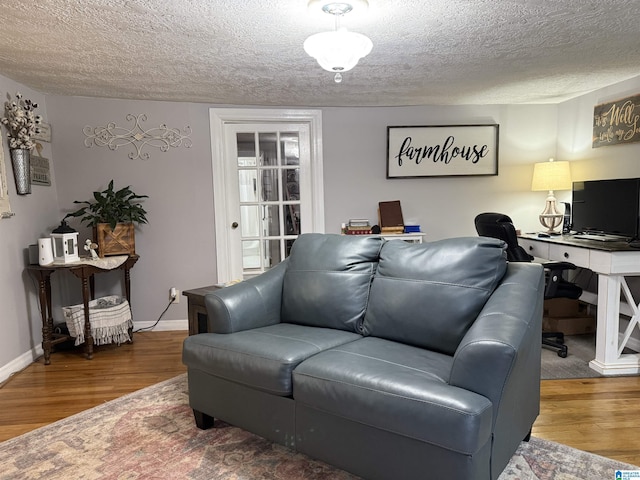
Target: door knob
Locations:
point(234, 225)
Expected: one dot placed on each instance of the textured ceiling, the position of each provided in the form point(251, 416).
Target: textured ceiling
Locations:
point(249, 52)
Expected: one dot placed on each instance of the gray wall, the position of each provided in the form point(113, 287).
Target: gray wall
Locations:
point(35, 216)
point(355, 142)
point(177, 247)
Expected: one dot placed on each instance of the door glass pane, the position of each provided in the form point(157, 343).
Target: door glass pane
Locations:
point(271, 220)
point(248, 180)
point(268, 149)
point(287, 246)
point(249, 220)
point(246, 149)
point(250, 254)
point(269, 185)
point(272, 253)
point(292, 219)
point(268, 179)
point(291, 184)
point(290, 148)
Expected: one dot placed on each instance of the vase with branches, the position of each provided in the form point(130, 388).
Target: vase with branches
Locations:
point(21, 121)
point(22, 124)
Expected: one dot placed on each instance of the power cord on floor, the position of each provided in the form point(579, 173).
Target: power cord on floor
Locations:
point(157, 321)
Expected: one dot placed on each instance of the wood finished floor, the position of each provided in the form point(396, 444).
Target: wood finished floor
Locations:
point(599, 415)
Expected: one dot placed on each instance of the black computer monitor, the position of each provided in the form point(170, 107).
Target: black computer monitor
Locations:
point(607, 206)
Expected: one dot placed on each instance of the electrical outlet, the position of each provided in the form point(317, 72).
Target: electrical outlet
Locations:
point(174, 295)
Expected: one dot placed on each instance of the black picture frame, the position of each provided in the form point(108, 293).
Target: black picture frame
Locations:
point(442, 150)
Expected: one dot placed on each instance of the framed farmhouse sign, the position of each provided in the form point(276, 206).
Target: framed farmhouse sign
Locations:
point(442, 151)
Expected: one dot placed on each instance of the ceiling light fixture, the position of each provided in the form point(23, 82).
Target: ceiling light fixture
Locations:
point(337, 51)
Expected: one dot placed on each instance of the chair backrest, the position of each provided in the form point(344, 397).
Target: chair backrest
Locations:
point(499, 225)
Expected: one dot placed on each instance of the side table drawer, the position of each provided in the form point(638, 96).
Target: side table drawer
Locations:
point(576, 255)
point(537, 249)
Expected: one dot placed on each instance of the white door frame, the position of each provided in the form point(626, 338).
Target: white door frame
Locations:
point(218, 117)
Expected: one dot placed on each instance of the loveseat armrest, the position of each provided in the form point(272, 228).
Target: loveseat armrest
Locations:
point(499, 357)
point(249, 304)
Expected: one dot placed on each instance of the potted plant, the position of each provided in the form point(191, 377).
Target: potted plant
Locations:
point(112, 214)
point(22, 123)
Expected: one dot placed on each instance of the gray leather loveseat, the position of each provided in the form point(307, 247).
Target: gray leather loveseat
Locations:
point(386, 359)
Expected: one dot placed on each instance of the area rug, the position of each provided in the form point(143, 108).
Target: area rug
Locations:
point(581, 348)
point(150, 434)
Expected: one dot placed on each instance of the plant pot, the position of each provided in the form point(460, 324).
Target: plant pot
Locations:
point(120, 241)
point(21, 162)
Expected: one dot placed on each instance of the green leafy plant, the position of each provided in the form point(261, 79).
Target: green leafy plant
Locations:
point(112, 207)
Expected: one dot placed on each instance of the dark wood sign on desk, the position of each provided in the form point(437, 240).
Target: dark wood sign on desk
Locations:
point(85, 272)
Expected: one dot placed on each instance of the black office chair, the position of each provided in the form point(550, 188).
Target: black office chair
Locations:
point(498, 225)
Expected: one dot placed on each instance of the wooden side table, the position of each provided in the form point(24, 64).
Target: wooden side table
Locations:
point(197, 310)
point(85, 272)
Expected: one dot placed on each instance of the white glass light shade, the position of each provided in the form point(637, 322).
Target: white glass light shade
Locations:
point(327, 6)
point(338, 51)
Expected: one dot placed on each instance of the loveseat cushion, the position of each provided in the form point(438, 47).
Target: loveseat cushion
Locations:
point(429, 294)
point(397, 388)
point(262, 358)
point(327, 280)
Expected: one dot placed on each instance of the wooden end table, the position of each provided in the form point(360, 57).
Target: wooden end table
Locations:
point(85, 272)
point(197, 310)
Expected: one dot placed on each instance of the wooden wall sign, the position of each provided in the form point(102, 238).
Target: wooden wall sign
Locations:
point(40, 172)
point(616, 122)
point(442, 151)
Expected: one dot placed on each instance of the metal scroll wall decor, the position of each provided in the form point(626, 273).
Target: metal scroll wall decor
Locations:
point(114, 137)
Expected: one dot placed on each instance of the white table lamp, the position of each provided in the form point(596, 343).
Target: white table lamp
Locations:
point(551, 176)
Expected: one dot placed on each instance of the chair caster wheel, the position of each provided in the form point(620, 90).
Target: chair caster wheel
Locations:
point(563, 353)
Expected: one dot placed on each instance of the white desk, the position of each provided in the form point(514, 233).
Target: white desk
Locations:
point(415, 237)
point(612, 261)
point(407, 237)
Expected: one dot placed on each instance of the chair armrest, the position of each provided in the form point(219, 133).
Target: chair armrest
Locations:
point(499, 357)
point(554, 277)
point(554, 266)
point(250, 304)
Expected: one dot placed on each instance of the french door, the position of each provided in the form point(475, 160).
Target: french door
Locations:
point(264, 193)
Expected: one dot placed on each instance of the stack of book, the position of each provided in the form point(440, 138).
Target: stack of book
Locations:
point(357, 226)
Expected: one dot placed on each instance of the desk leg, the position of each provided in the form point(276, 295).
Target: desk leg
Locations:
point(608, 361)
point(45, 312)
point(88, 338)
point(608, 313)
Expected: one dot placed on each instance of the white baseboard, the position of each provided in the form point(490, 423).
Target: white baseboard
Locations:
point(32, 355)
point(21, 362)
point(163, 325)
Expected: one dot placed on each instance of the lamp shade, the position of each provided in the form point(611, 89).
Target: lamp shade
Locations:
point(338, 51)
point(551, 176)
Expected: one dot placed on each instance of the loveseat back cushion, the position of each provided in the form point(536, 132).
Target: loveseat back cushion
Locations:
point(327, 280)
point(429, 294)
